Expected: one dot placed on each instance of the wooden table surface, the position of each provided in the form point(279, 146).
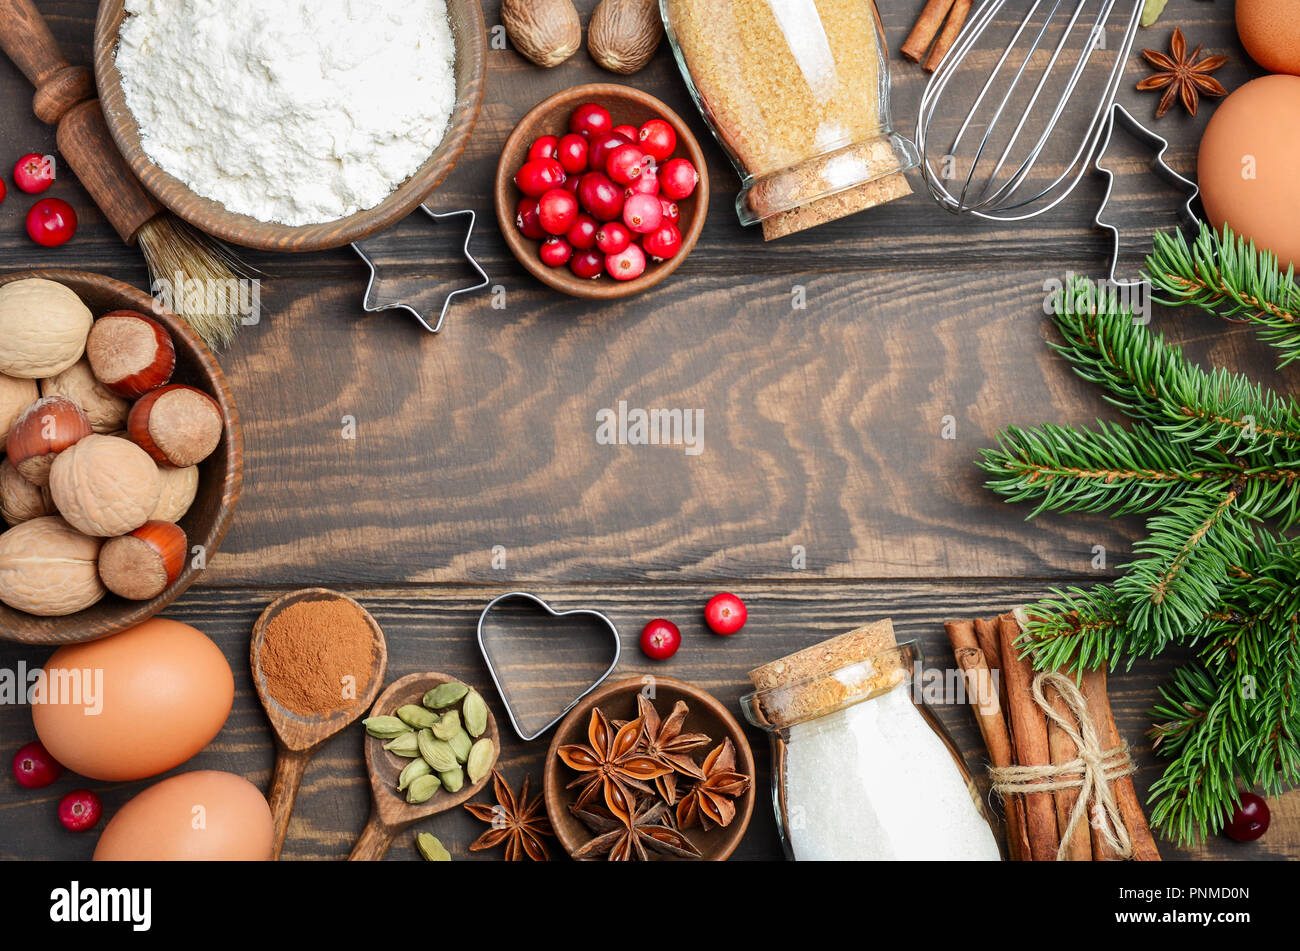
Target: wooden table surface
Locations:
point(823, 434)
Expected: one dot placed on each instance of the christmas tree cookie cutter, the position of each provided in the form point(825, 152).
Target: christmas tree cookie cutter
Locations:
point(1158, 145)
point(547, 611)
point(370, 304)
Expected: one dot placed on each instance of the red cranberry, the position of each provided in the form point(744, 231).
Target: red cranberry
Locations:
point(624, 164)
point(571, 185)
point(663, 243)
point(573, 153)
point(548, 146)
point(590, 119)
point(627, 264)
point(613, 237)
point(34, 767)
point(80, 810)
point(669, 208)
point(587, 264)
point(34, 173)
point(601, 147)
point(2, 191)
point(538, 176)
point(725, 614)
point(642, 213)
point(1249, 820)
point(526, 219)
point(658, 139)
point(51, 222)
point(601, 197)
point(660, 639)
point(555, 252)
point(629, 132)
point(557, 210)
point(647, 183)
point(582, 235)
point(678, 178)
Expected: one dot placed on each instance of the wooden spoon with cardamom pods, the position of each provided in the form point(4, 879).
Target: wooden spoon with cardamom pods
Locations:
point(390, 813)
point(299, 736)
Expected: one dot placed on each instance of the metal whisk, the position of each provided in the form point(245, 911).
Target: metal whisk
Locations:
point(986, 168)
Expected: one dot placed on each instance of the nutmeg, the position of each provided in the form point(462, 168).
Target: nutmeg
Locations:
point(130, 353)
point(16, 395)
point(49, 568)
point(105, 486)
point(45, 429)
point(177, 425)
point(43, 327)
point(547, 32)
point(105, 409)
point(624, 34)
point(20, 500)
point(179, 487)
point(142, 565)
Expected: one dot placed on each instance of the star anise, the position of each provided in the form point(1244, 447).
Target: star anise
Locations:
point(516, 820)
point(1183, 77)
point(621, 842)
point(665, 742)
point(709, 801)
point(611, 764)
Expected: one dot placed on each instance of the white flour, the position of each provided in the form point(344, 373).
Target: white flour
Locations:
point(291, 111)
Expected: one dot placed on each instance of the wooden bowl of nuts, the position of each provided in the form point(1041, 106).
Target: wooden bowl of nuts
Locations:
point(631, 249)
point(699, 809)
point(123, 456)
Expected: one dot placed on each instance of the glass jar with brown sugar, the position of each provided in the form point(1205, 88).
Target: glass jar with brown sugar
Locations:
point(797, 92)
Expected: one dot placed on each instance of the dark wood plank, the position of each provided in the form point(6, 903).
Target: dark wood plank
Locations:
point(432, 627)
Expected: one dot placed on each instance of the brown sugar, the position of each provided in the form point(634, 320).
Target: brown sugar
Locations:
point(317, 656)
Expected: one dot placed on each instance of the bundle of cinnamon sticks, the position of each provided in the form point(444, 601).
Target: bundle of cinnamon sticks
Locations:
point(1016, 732)
point(935, 31)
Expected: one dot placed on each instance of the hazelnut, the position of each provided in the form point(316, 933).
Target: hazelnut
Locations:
point(15, 396)
point(130, 353)
point(20, 501)
point(143, 565)
point(179, 486)
point(105, 409)
point(49, 568)
point(45, 429)
point(105, 485)
point(43, 328)
point(177, 425)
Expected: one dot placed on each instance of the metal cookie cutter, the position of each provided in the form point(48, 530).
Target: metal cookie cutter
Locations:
point(487, 657)
point(371, 307)
point(1159, 146)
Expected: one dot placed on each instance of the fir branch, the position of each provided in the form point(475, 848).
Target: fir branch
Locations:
point(1077, 629)
point(1227, 276)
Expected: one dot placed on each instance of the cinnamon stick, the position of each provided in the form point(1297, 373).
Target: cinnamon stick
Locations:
point(986, 632)
point(951, 29)
point(1062, 750)
point(1130, 807)
point(926, 28)
point(1029, 730)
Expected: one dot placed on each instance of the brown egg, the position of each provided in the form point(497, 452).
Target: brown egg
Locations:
point(1270, 31)
point(135, 704)
point(1247, 165)
point(201, 816)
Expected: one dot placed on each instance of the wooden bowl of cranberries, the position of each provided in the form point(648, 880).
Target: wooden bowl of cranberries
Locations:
point(601, 191)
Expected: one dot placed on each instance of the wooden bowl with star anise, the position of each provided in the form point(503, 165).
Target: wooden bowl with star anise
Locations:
point(649, 770)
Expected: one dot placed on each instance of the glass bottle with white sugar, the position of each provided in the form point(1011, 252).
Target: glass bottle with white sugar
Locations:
point(861, 770)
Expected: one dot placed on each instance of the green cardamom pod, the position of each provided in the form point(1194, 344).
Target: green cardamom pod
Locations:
point(437, 753)
point(475, 712)
point(431, 848)
point(385, 728)
point(480, 759)
point(452, 779)
point(460, 745)
point(448, 726)
point(404, 745)
point(413, 771)
point(422, 789)
point(416, 717)
point(444, 695)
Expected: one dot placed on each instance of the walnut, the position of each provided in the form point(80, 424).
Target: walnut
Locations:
point(20, 500)
point(106, 410)
point(179, 486)
point(43, 328)
point(15, 396)
point(105, 486)
point(49, 568)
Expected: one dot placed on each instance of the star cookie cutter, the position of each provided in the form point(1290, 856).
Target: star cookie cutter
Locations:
point(372, 307)
point(1158, 145)
point(551, 612)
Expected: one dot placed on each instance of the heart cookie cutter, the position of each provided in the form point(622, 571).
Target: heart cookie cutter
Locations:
point(538, 602)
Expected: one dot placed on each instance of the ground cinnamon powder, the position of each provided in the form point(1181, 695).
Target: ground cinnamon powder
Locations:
point(317, 656)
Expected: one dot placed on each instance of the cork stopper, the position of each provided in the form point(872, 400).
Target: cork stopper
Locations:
point(840, 205)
